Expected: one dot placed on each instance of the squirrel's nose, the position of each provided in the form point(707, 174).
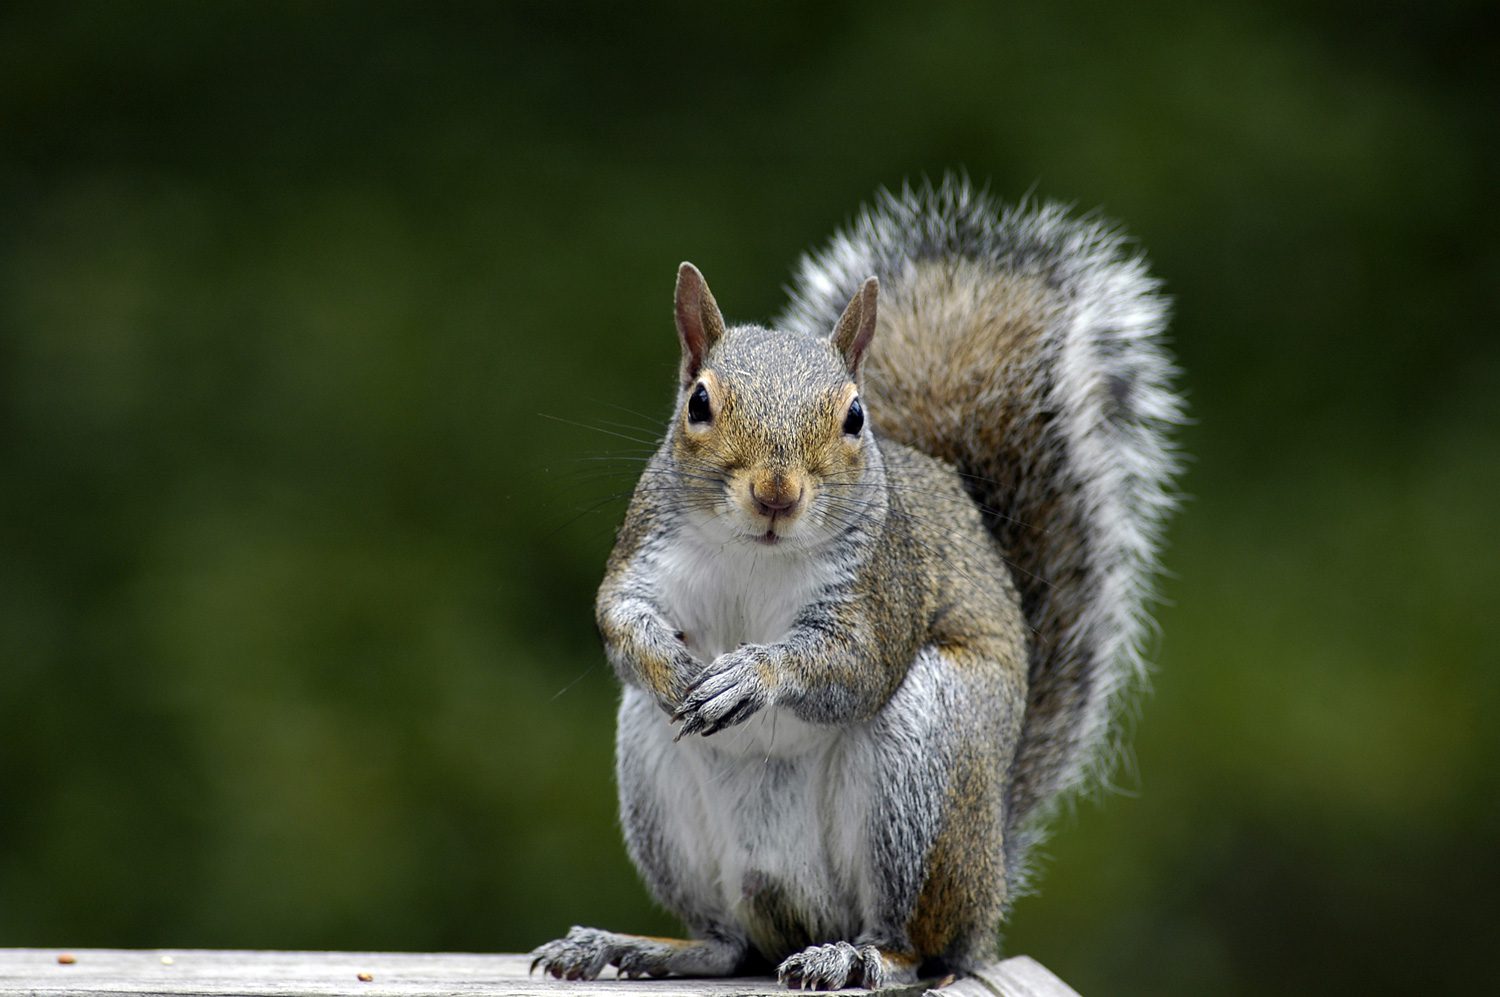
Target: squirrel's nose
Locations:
point(779, 498)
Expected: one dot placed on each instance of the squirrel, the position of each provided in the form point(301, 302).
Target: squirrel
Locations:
point(878, 596)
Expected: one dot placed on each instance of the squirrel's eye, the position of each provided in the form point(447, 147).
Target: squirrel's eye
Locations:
point(699, 411)
point(854, 421)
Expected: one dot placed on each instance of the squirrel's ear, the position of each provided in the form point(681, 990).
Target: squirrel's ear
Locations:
point(699, 324)
point(857, 325)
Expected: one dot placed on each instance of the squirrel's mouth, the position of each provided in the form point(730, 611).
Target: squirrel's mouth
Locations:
point(769, 538)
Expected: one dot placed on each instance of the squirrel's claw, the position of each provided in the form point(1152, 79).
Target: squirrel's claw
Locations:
point(580, 955)
point(727, 693)
point(837, 965)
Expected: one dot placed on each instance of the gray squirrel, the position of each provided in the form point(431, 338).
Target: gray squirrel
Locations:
point(879, 593)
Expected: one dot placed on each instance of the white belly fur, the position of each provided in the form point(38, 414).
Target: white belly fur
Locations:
point(734, 818)
point(724, 595)
point(773, 799)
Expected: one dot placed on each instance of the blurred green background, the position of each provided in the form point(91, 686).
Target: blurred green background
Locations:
point(299, 304)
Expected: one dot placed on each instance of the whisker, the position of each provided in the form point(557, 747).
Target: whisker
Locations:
point(558, 694)
point(598, 429)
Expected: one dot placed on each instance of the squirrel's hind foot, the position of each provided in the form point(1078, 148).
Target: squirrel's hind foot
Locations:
point(584, 953)
point(842, 964)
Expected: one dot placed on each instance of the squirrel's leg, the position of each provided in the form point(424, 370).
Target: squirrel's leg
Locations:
point(930, 827)
point(642, 646)
point(965, 879)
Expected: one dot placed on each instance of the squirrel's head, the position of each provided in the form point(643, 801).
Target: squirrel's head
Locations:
point(770, 439)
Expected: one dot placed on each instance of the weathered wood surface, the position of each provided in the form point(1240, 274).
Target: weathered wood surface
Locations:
point(194, 972)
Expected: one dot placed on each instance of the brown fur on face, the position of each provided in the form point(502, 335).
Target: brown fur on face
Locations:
point(776, 438)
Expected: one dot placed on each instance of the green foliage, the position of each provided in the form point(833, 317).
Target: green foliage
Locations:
point(301, 307)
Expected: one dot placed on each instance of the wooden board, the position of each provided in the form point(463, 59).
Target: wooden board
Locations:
point(193, 972)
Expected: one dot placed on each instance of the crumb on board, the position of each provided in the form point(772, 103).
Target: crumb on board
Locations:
point(66, 959)
point(366, 977)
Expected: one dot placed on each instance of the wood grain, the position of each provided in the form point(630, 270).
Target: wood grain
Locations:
point(204, 973)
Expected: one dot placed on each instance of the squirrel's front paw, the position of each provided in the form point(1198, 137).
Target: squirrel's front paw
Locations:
point(729, 691)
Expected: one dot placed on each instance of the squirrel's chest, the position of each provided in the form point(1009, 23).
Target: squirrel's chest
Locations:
point(723, 596)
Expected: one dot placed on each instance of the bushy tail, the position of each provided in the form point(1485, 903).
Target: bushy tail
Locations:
point(1025, 347)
